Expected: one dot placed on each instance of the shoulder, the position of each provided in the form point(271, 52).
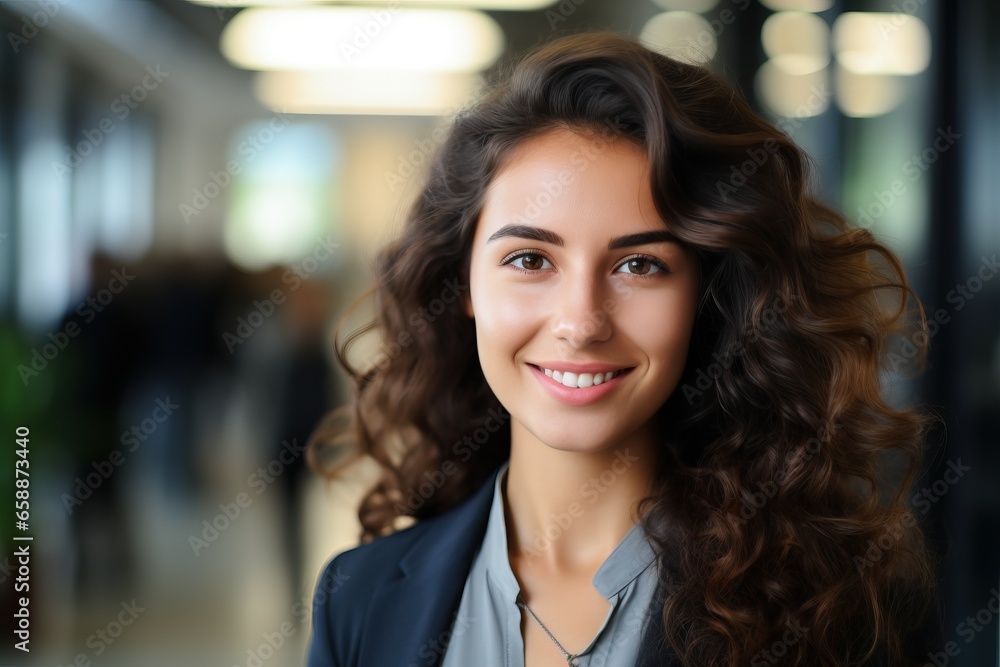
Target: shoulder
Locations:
point(352, 574)
point(422, 564)
point(345, 589)
point(355, 573)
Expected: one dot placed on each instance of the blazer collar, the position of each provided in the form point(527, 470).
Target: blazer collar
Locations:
point(415, 609)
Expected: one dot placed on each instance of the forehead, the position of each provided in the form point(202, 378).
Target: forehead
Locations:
point(564, 175)
point(572, 149)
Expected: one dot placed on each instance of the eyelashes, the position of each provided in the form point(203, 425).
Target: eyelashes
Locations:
point(663, 268)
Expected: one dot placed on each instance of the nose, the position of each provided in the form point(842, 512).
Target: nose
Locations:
point(579, 317)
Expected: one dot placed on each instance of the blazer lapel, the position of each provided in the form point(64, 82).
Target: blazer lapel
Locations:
point(413, 612)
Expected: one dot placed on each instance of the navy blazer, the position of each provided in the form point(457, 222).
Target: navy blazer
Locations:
point(392, 602)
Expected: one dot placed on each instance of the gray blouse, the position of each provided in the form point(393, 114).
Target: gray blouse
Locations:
point(487, 629)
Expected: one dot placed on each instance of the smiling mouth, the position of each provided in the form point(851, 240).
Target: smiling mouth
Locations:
point(581, 380)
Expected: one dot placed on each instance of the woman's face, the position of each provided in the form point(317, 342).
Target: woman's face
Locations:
point(562, 274)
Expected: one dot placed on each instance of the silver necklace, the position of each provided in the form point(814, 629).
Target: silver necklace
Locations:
point(570, 658)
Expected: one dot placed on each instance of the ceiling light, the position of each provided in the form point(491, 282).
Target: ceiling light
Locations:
point(502, 5)
point(797, 42)
point(792, 95)
point(684, 36)
point(359, 38)
point(372, 93)
point(797, 5)
point(881, 43)
point(867, 95)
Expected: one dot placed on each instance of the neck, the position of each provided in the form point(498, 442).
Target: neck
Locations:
point(567, 511)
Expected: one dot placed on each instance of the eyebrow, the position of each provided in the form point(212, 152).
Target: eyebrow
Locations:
point(628, 240)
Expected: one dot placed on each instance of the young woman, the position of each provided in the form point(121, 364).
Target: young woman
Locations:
point(630, 391)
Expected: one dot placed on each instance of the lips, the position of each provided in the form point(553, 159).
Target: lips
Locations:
point(578, 393)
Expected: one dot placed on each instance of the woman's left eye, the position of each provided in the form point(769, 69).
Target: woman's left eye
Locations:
point(642, 261)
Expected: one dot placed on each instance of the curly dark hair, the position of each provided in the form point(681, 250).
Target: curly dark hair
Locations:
point(785, 467)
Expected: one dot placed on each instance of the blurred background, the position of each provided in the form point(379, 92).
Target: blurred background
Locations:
point(191, 193)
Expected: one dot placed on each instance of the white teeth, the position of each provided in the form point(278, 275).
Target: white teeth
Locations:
point(582, 380)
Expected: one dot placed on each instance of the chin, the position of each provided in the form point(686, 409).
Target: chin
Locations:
point(573, 442)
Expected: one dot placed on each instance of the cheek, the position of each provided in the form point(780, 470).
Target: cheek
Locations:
point(660, 324)
point(505, 319)
point(502, 308)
